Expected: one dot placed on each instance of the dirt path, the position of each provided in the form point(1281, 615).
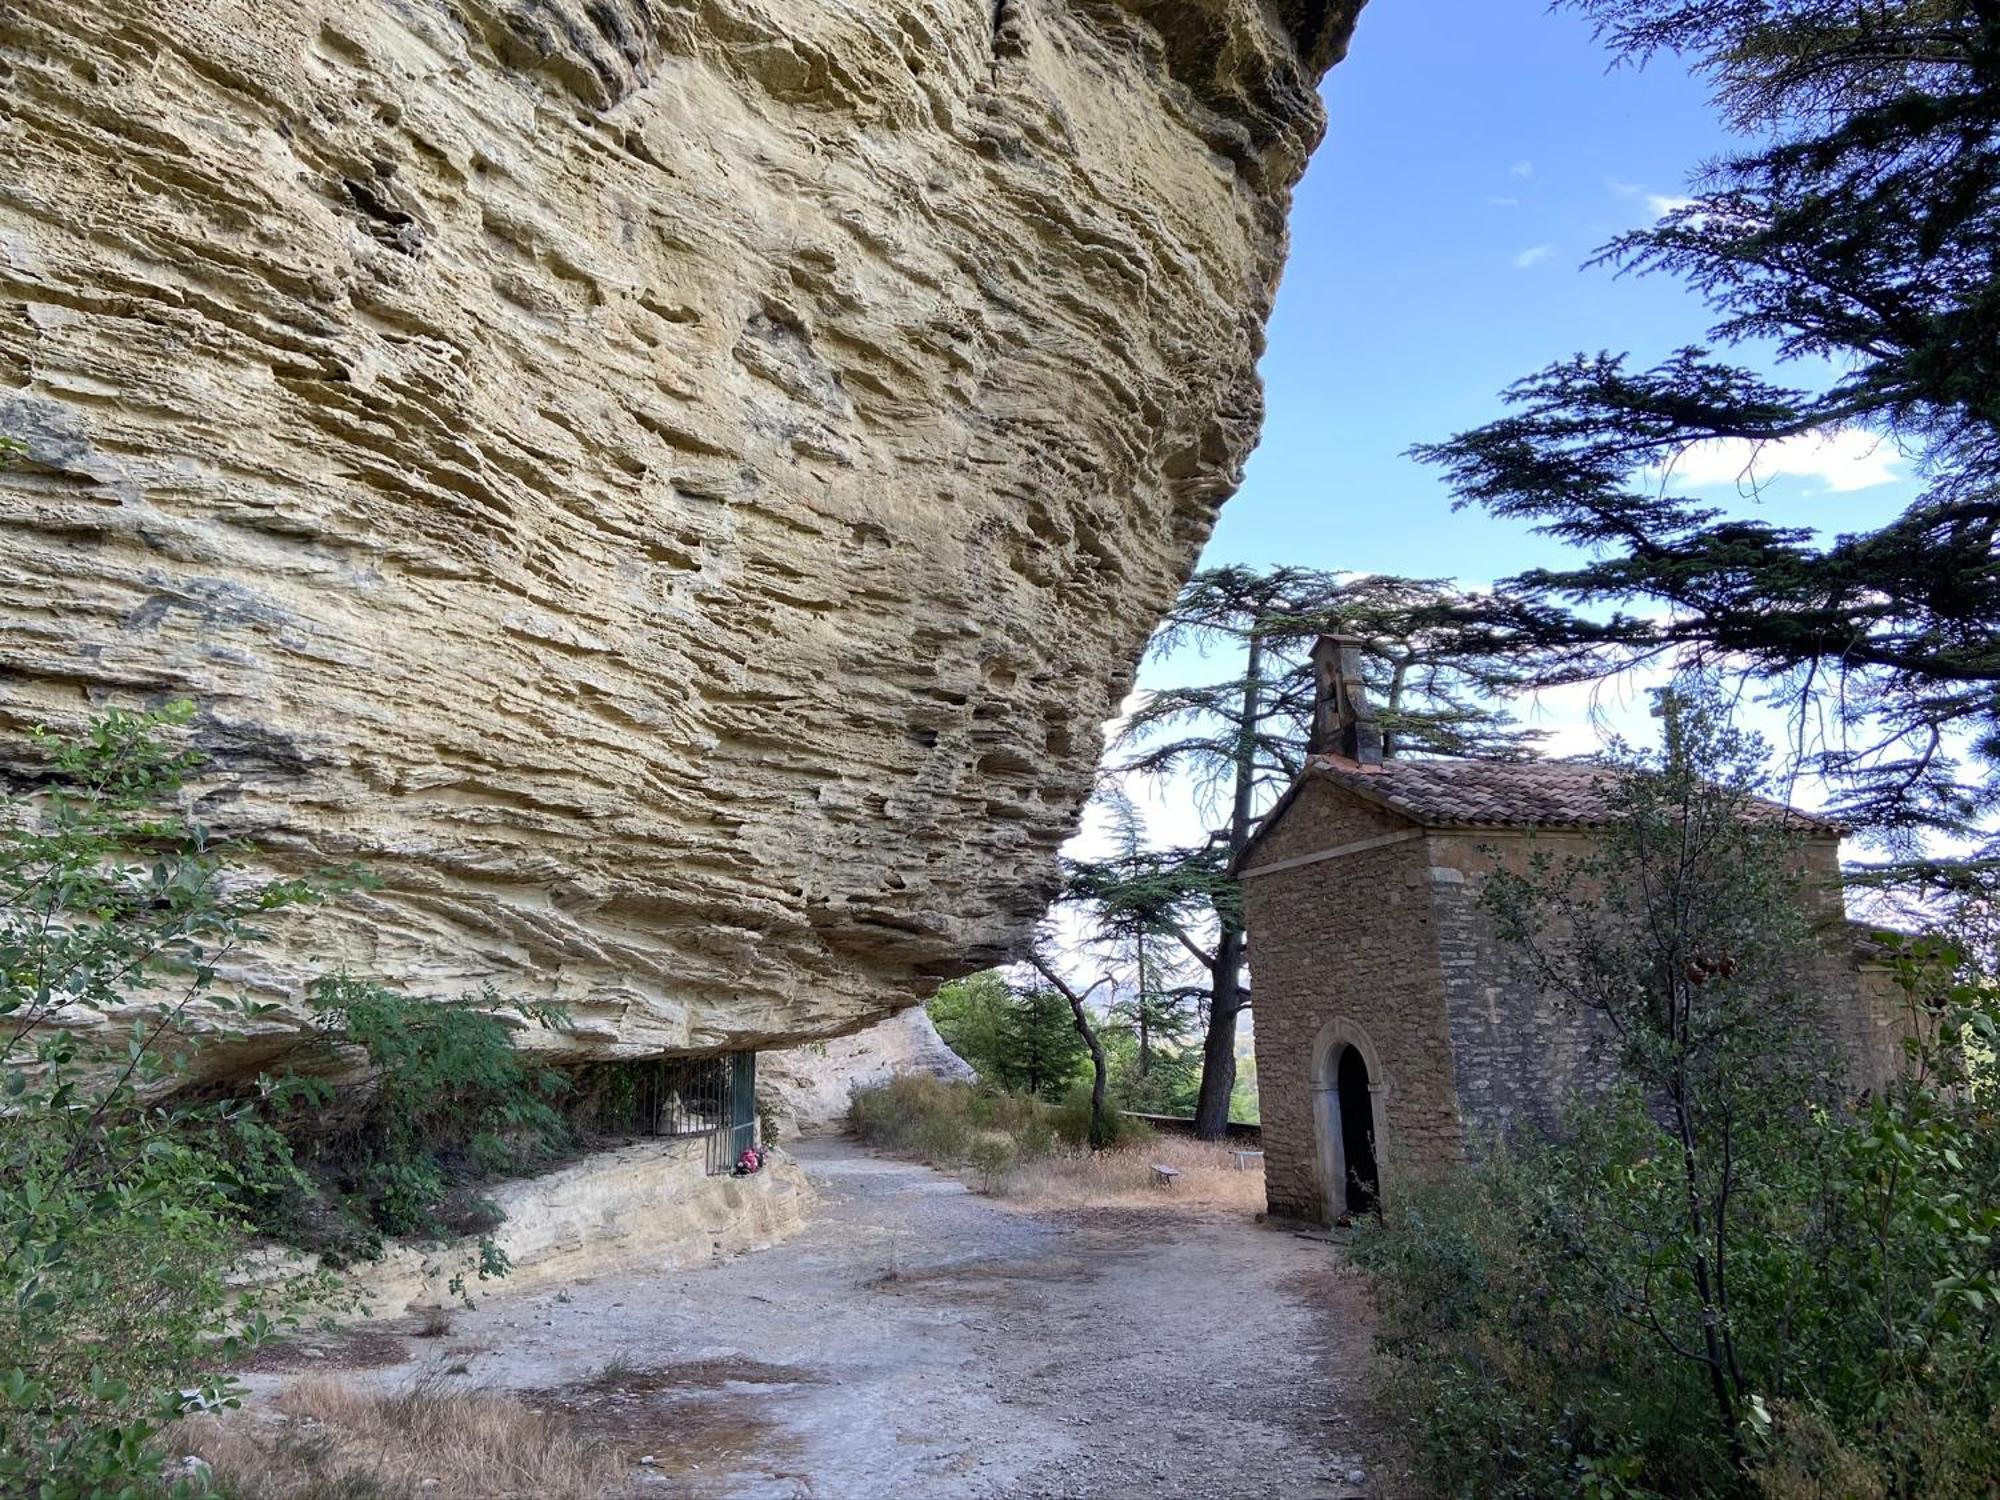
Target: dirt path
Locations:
point(921, 1340)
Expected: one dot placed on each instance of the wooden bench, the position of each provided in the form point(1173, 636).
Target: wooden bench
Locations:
point(1163, 1176)
point(1243, 1159)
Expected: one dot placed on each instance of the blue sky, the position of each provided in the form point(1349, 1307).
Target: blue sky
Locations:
point(1478, 152)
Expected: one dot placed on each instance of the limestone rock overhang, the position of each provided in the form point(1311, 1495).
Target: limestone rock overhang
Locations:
point(672, 491)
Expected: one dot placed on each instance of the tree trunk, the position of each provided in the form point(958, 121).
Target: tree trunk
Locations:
point(1100, 1135)
point(1100, 1073)
point(1218, 1048)
point(1143, 1009)
point(1225, 1003)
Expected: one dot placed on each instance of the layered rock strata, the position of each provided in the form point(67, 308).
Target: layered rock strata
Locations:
point(673, 486)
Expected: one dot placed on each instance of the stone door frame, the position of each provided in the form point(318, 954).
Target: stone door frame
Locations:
point(1324, 1078)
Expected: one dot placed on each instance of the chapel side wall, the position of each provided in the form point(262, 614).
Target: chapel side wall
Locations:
point(1519, 1055)
point(1522, 1056)
point(1868, 1016)
point(1884, 1018)
point(1347, 938)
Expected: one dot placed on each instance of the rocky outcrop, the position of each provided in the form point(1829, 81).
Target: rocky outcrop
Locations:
point(672, 485)
point(806, 1090)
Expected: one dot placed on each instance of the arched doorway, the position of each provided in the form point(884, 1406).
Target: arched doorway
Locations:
point(1361, 1190)
point(1350, 1120)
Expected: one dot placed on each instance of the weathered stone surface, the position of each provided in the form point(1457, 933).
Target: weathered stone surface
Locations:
point(645, 1207)
point(807, 1090)
point(673, 485)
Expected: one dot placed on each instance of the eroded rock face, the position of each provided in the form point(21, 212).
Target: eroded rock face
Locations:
point(807, 1090)
point(673, 485)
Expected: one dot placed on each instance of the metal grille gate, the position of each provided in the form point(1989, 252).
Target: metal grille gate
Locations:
point(714, 1097)
point(741, 1132)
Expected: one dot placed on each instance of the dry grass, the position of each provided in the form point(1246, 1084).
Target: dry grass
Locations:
point(426, 1441)
point(1012, 1148)
point(1123, 1178)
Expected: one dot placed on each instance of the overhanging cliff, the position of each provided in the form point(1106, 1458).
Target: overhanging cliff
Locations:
point(673, 486)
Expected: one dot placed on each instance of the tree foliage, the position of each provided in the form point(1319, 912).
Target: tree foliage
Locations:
point(1042, 1054)
point(118, 1218)
point(1438, 662)
point(1724, 1277)
point(1856, 239)
point(968, 1014)
point(1022, 1039)
point(1688, 931)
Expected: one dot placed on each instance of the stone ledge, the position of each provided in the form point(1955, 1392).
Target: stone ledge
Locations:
point(646, 1207)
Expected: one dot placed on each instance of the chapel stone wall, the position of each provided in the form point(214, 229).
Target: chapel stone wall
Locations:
point(1350, 940)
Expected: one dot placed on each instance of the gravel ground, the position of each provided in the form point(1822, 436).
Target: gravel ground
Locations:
point(918, 1339)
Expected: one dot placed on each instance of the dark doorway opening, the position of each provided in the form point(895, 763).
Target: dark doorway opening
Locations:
point(1357, 1132)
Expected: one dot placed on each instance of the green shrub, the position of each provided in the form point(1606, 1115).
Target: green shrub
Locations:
point(1035, 1136)
point(448, 1102)
point(117, 1219)
point(1511, 1375)
point(1070, 1122)
point(941, 1136)
point(1012, 1114)
point(1523, 1364)
point(954, 1124)
point(992, 1157)
point(914, 1116)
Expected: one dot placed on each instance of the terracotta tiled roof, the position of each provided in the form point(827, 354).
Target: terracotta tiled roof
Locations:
point(1505, 794)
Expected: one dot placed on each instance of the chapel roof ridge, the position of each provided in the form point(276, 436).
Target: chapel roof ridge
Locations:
point(1442, 792)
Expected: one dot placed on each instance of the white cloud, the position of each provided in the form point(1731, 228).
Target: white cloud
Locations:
point(1521, 169)
point(1533, 255)
point(1658, 205)
point(1840, 461)
point(1580, 718)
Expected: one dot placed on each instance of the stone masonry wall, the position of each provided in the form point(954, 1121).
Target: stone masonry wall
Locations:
point(1883, 1020)
point(1394, 940)
point(1518, 1054)
point(1869, 1016)
point(1348, 938)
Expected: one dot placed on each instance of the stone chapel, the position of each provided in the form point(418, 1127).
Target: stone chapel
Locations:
point(1392, 1032)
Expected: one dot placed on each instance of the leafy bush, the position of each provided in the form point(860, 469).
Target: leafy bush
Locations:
point(1523, 1364)
point(1725, 1278)
point(448, 1103)
point(954, 1124)
point(1071, 1122)
point(916, 1116)
point(116, 1218)
point(992, 1157)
